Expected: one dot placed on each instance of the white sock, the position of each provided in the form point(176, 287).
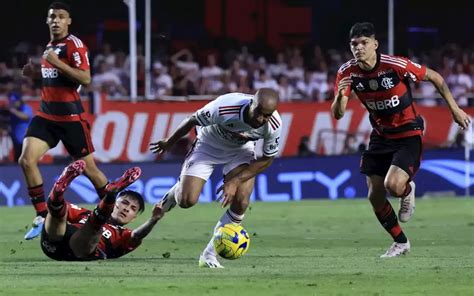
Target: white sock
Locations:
point(170, 198)
point(228, 217)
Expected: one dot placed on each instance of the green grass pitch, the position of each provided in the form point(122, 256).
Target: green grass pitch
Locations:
point(298, 248)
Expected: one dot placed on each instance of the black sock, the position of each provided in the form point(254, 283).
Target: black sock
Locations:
point(102, 192)
point(36, 194)
point(57, 208)
point(388, 219)
point(102, 212)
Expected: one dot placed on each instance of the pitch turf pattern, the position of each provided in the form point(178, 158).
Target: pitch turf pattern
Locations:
point(300, 248)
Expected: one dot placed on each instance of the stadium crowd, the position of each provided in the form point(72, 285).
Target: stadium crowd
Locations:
point(298, 74)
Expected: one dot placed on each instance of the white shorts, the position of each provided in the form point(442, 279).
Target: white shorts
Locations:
point(203, 157)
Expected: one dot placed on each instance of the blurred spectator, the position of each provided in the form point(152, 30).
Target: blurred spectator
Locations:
point(279, 67)
point(307, 88)
point(184, 60)
point(162, 83)
point(5, 74)
point(119, 68)
point(107, 81)
point(228, 85)
point(303, 148)
point(236, 71)
point(182, 84)
point(211, 75)
point(211, 71)
point(307, 77)
point(294, 73)
point(106, 55)
point(20, 116)
point(265, 81)
point(459, 83)
point(285, 90)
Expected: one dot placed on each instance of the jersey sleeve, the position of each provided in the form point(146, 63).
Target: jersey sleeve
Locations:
point(415, 72)
point(340, 75)
point(75, 213)
point(127, 243)
point(208, 115)
point(271, 143)
point(79, 55)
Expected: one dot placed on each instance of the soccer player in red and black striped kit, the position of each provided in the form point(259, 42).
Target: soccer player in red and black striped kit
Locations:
point(64, 68)
point(72, 233)
point(381, 82)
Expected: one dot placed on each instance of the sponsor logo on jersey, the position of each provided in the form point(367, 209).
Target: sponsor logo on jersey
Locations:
point(49, 73)
point(383, 104)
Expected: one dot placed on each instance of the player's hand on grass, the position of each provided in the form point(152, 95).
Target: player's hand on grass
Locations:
point(160, 146)
point(227, 190)
point(344, 83)
point(461, 118)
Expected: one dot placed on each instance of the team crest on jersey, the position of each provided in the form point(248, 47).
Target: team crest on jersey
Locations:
point(373, 84)
point(387, 82)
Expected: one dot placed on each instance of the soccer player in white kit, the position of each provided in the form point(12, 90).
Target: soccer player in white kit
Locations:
point(227, 130)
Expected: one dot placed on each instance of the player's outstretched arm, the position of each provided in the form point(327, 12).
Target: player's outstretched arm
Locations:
point(78, 75)
point(229, 188)
point(459, 116)
point(339, 104)
point(183, 129)
point(143, 230)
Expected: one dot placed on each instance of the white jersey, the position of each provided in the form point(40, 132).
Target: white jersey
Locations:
point(222, 125)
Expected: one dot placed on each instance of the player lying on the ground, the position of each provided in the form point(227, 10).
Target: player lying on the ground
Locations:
point(72, 233)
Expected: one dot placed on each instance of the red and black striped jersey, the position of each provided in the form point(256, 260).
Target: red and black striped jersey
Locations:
point(385, 92)
point(60, 100)
point(115, 240)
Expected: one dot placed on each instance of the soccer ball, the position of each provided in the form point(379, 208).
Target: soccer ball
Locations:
point(231, 241)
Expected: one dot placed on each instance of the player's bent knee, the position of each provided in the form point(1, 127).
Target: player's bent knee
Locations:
point(187, 201)
point(394, 188)
point(26, 162)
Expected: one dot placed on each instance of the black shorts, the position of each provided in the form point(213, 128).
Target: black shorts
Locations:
point(59, 250)
point(405, 153)
point(75, 135)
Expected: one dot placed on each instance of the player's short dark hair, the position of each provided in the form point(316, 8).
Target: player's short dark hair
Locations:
point(136, 196)
point(60, 5)
point(364, 29)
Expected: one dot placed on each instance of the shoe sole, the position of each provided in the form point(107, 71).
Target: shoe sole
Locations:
point(399, 255)
point(70, 172)
point(128, 177)
point(36, 230)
